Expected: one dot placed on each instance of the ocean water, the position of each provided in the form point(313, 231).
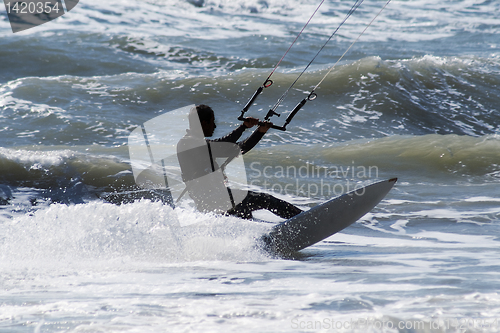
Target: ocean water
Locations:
point(417, 97)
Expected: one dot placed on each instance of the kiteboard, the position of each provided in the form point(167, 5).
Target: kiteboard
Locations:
point(322, 221)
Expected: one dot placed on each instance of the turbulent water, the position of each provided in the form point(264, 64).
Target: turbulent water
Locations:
point(417, 97)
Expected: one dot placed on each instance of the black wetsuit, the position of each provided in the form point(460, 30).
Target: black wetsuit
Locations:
point(197, 158)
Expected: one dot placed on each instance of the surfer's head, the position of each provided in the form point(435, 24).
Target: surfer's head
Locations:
point(205, 116)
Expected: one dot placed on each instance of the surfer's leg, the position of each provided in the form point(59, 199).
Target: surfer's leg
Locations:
point(279, 207)
point(255, 201)
point(243, 209)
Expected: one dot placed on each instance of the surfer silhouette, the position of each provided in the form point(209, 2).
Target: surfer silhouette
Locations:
point(205, 179)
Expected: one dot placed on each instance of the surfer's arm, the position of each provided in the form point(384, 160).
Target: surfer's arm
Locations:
point(236, 133)
point(245, 145)
point(233, 136)
point(253, 139)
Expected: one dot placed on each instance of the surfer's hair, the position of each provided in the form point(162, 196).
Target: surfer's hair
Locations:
point(200, 113)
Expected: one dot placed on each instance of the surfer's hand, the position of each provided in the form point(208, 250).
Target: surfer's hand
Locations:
point(264, 126)
point(250, 122)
